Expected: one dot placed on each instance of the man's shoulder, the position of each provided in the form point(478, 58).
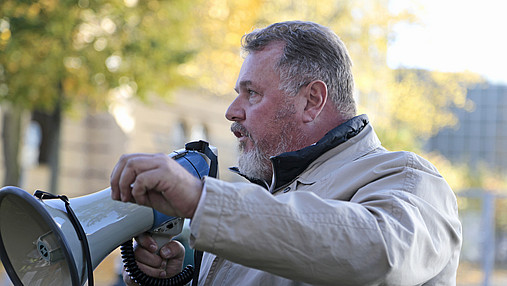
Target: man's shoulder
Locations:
point(405, 159)
point(373, 165)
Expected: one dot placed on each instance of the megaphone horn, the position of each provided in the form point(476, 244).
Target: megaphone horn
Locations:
point(40, 238)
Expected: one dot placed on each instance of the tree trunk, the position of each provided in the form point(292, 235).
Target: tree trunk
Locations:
point(11, 139)
point(50, 124)
point(54, 139)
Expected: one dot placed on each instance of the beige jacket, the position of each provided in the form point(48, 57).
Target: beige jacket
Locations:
point(357, 215)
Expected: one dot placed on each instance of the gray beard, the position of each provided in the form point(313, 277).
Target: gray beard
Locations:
point(256, 163)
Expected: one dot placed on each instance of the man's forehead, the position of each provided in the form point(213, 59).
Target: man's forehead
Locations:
point(267, 57)
point(250, 71)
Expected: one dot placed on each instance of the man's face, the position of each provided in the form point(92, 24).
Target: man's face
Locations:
point(265, 120)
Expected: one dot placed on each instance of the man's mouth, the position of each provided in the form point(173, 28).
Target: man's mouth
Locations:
point(239, 130)
point(238, 134)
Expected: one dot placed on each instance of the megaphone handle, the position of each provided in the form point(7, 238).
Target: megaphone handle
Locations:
point(161, 240)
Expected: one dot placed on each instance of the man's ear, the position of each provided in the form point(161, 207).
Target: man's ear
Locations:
point(316, 97)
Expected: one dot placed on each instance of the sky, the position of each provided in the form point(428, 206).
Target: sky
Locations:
point(454, 36)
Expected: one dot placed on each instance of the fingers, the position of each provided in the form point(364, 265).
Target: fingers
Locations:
point(148, 261)
point(117, 173)
point(174, 253)
point(156, 181)
point(153, 272)
point(146, 187)
point(133, 168)
point(166, 264)
point(172, 250)
point(147, 242)
point(127, 169)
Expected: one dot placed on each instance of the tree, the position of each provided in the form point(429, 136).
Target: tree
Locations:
point(418, 103)
point(55, 53)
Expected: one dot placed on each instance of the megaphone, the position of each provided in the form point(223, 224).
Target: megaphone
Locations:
point(61, 241)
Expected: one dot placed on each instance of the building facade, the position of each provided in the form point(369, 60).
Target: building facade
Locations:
point(480, 137)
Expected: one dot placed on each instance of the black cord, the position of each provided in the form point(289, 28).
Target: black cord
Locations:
point(77, 226)
point(197, 262)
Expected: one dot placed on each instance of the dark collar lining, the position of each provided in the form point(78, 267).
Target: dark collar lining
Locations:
point(287, 166)
point(259, 182)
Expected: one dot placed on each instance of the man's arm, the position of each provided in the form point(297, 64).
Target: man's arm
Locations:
point(383, 235)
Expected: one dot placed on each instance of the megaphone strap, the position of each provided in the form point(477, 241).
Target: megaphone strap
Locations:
point(203, 147)
point(77, 226)
point(197, 268)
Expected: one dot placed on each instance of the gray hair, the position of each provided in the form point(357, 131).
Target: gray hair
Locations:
point(311, 52)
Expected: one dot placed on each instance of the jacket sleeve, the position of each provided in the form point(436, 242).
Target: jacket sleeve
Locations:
point(399, 228)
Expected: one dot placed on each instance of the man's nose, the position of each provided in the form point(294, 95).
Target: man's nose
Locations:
point(235, 112)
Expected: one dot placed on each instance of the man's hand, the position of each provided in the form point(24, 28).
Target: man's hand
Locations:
point(167, 263)
point(157, 181)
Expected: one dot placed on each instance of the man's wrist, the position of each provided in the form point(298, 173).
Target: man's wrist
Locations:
point(196, 218)
point(198, 191)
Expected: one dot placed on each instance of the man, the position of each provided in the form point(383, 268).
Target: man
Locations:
point(329, 206)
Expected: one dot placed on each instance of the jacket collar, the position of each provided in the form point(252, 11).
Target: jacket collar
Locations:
point(287, 166)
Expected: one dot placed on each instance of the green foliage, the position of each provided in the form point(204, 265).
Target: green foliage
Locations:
point(416, 104)
point(83, 50)
point(55, 53)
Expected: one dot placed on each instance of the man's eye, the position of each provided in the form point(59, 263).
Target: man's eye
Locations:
point(253, 96)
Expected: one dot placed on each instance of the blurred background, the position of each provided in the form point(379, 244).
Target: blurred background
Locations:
point(84, 81)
